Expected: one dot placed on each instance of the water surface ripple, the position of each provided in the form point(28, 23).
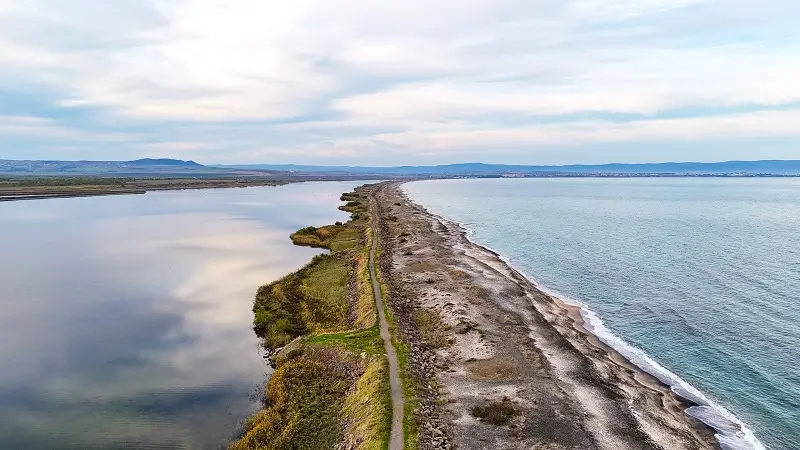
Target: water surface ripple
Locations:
point(702, 275)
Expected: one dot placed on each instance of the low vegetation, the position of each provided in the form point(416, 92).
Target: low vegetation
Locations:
point(432, 330)
point(64, 181)
point(495, 413)
point(35, 187)
point(311, 300)
point(330, 386)
point(305, 397)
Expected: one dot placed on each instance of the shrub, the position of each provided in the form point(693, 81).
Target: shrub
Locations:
point(432, 330)
point(304, 400)
point(495, 413)
point(307, 230)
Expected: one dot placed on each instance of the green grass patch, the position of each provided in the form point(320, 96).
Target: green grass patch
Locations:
point(368, 340)
point(323, 289)
point(313, 299)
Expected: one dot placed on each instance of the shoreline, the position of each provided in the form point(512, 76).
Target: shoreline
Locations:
point(649, 373)
point(72, 187)
point(327, 341)
point(608, 400)
point(123, 187)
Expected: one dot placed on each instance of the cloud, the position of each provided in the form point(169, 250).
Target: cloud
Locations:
point(308, 79)
point(43, 128)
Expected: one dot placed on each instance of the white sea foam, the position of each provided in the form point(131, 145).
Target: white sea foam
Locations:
point(731, 432)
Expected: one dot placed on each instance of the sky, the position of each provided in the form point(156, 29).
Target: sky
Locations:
point(400, 81)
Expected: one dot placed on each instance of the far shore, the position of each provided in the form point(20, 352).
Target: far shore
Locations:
point(38, 188)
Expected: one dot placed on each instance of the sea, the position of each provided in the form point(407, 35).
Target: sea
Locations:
point(696, 280)
point(126, 321)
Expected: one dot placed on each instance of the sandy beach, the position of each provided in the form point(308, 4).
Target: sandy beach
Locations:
point(507, 342)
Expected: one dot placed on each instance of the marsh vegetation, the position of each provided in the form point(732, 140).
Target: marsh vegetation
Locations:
point(330, 385)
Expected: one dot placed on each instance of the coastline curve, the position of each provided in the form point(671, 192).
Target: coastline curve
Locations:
point(731, 432)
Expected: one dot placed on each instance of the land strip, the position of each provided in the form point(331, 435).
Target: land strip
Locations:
point(36, 188)
point(443, 340)
point(61, 187)
point(331, 384)
point(499, 364)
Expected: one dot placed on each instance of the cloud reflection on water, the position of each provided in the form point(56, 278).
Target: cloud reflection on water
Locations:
point(127, 322)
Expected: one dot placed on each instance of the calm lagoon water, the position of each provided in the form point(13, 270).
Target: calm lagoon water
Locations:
point(697, 276)
point(126, 320)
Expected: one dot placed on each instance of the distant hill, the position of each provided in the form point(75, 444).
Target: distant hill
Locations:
point(175, 167)
point(163, 162)
point(773, 167)
point(139, 167)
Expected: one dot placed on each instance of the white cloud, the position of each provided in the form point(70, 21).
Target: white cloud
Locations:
point(40, 128)
point(465, 137)
point(419, 75)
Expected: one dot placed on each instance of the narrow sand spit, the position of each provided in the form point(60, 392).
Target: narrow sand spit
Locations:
point(510, 343)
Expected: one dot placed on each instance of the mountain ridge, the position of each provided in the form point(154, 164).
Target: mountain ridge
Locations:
point(774, 167)
point(170, 167)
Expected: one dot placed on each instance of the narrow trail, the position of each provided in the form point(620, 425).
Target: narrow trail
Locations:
point(398, 402)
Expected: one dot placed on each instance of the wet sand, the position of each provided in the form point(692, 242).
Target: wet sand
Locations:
point(511, 341)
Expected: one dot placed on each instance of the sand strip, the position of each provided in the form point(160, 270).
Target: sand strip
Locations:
point(511, 342)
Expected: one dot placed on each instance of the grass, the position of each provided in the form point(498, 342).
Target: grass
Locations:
point(305, 397)
point(495, 413)
point(333, 383)
point(432, 330)
point(410, 387)
point(63, 181)
point(276, 311)
point(311, 300)
point(367, 341)
point(324, 304)
point(315, 298)
point(336, 238)
point(369, 407)
point(365, 315)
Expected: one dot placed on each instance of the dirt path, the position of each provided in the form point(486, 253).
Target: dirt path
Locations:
point(398, 402)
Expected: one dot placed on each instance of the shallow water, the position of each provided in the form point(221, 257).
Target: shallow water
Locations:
point(126, 320)
point(701, 275)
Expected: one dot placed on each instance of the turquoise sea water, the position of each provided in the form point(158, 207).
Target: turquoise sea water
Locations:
point(696, 280)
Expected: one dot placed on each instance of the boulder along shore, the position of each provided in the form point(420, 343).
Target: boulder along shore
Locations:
point(499, 364)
